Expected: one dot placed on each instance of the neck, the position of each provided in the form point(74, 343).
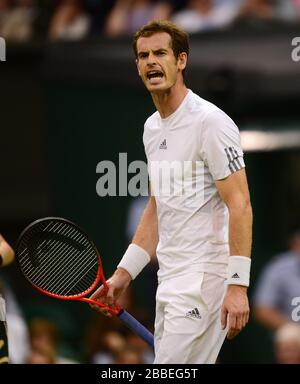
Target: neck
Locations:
point(168, 101)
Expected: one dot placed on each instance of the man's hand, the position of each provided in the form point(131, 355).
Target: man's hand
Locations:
point(235, 310)
point(117, 285)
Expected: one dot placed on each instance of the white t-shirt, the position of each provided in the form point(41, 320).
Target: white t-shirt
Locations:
point(186, 153)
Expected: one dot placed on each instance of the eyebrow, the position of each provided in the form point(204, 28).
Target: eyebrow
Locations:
point(156, 51)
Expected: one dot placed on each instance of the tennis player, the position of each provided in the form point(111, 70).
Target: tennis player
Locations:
point(202, 237)
point(6, 257)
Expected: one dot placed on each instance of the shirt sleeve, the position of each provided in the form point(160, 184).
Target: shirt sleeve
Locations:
point(220, 145)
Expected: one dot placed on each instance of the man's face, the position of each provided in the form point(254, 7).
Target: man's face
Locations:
point(157, 65)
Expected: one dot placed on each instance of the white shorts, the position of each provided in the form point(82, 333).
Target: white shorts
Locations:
point(188, 319)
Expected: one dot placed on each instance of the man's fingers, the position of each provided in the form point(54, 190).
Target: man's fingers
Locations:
point(105, 312)
point(232, 326)
point(245, 320)
point(105, 296)
point(224, 317)
point(101, 309)
point(110, 298)
point(237, 323)
point(100, 292)
point(247, 316)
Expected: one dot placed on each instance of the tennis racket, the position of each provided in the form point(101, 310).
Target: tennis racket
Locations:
point(59, 259)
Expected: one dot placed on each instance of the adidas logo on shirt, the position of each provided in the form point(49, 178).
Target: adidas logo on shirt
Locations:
point(194, 313)
point(163, 145)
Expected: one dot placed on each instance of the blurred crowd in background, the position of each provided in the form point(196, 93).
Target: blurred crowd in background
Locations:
point(103, 340)
point(72, 20)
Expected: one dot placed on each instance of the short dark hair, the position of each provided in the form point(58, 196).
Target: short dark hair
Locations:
point(179, 38)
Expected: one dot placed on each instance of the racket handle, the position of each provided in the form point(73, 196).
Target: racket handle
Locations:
point(136, 327)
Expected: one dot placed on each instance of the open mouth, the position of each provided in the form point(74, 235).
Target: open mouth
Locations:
point(154, 74)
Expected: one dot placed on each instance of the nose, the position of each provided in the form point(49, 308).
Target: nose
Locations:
point(151, 59)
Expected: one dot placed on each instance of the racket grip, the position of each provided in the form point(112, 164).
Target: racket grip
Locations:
point(136, 327)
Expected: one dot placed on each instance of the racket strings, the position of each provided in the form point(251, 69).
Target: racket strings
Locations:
point(60, 279)
point(27, 266)
point(66, 252)
point(80, 284)
point(63, 272)
point(58, 258)
point(66, 275)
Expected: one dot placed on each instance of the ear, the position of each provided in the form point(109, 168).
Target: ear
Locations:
point(182, 60)
point(137, 65)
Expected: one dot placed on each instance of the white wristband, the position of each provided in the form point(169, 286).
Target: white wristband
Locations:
point(134, 260)
point(239, 270)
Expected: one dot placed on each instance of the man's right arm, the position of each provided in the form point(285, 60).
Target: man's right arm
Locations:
point(146, 237)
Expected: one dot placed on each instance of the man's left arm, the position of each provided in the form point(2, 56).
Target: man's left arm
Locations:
point(235, 193)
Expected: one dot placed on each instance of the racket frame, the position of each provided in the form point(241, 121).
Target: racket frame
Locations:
point(81, 296)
